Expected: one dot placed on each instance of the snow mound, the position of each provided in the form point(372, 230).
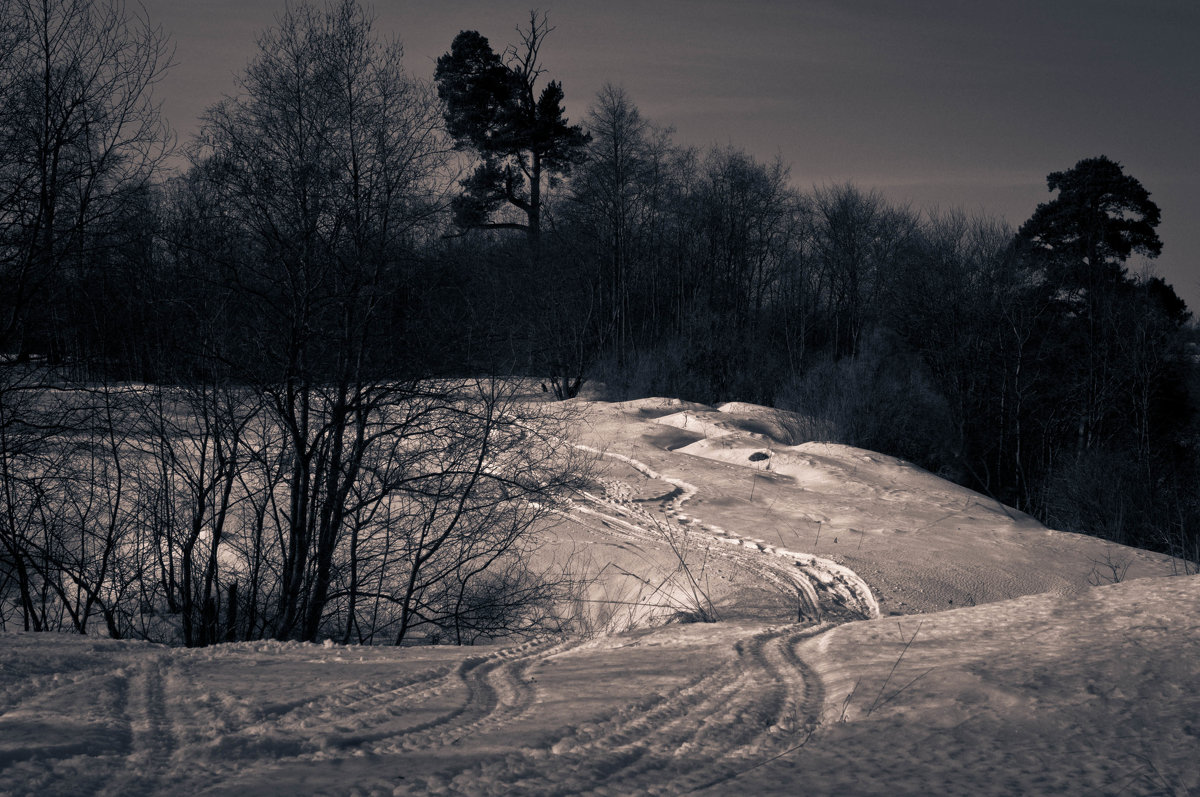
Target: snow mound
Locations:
point(705, 422)
point(920, 542)
point(834, 468)
point(772, 426)
point(882, 473)
point(655, 406)
point(780, 426)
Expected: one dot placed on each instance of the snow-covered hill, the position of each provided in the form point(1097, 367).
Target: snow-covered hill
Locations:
point(1057, 680)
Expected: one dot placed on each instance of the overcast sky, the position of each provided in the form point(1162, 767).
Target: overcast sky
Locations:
point(956, 103)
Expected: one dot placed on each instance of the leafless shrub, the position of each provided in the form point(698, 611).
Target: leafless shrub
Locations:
point(682, 584)
point(1109, 570)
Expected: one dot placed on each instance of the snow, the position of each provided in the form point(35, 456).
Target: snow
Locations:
point(1092, 693)
point(1055, 682)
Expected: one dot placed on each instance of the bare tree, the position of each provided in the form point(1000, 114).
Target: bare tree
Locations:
point(81, 137)
point(325, 159)
point(373, 485)
point(619, 204)
point(28, 426)
point(611, 188)
point(856, 237)
point(194, 442)
point(81, 134)
point(65, 479)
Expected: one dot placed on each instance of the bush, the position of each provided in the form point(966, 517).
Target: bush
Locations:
point(881, 399)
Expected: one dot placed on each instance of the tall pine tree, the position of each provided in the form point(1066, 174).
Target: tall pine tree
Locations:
point(521, 135)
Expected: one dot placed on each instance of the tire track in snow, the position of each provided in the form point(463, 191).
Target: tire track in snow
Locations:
point(791, 721)
point(352, 714)
point(704, 734)
point(378, 716)
point(635, 523)
point(796, 578)
point(498, 692)
point(607, 753)
point(722, 721)
point(629, 728)
point(804, 574)
point(151, 739)
point(370, 703)
point(770, 699)
point(158, 739)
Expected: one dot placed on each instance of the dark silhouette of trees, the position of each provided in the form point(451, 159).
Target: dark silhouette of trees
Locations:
point(494, 108)
point(303, 466)
point(520, 134)
point(618, 202)
point(326, 171)
point(857, 239)
point(321, 165)
point(1078, 244)
point(81, 135)
point(1100, 217)
point(610, 188)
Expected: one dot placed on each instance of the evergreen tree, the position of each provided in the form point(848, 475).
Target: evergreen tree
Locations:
point(521, 135)
point(1100, 217)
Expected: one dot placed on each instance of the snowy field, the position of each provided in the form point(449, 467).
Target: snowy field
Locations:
point(881, 632)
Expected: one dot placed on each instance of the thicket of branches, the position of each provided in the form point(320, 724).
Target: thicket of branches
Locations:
point(272, 394)
point(226, 406)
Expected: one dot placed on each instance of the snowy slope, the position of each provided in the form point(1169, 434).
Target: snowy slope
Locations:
point(1050, 685)
point(921, 543)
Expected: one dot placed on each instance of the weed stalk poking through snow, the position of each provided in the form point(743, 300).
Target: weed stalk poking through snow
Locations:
point(880, 701)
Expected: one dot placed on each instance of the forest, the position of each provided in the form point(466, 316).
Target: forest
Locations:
point(281, 391)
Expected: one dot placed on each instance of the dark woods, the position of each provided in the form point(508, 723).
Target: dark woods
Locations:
point(279, 393)
point(235, 404)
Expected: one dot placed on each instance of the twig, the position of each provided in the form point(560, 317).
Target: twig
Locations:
point(896, 664)
point(849, 697)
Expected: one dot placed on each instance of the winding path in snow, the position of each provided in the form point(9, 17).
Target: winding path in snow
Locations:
point(499, 692)
point(820, 584)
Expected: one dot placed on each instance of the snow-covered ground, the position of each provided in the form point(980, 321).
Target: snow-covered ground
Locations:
point(882, 632)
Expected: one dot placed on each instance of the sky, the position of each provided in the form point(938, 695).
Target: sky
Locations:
point(935, 103)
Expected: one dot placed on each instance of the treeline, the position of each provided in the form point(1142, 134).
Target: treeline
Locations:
point(1032, 365)
point(323, 315)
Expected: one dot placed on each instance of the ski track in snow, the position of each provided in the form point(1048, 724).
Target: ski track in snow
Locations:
point(804, 574)
point(150, 733)
point(376, 717)
point(722, 722)
point(499, 692)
